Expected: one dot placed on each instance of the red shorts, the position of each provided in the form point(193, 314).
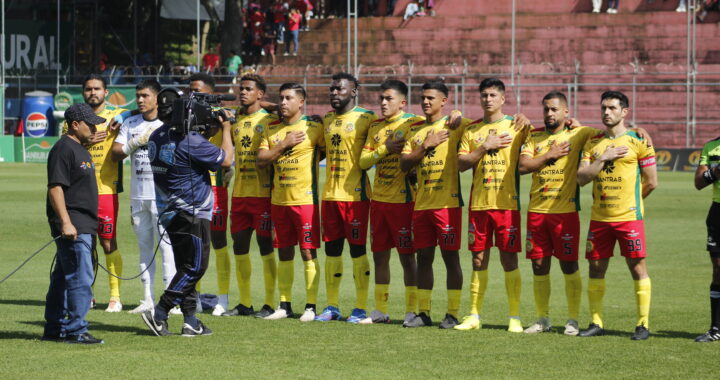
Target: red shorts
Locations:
point(347, 220)
point(220, 209)
point(251, 212)
point(553, 235)
point(505, 224)
point(391, 226)
point(107, 215)
point(437, 227)
point(602, 237)
point(293, 224)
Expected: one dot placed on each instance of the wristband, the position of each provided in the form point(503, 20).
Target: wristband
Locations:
point(709, 176)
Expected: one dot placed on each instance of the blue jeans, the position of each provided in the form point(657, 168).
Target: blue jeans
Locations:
point(292, 36)
point(68, 298)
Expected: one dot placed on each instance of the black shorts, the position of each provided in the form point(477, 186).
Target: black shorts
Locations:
point(713, 230)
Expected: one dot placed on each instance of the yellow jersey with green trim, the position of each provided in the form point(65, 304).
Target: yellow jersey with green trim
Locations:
point(710, 157)
point(250, 181)
point(554, 188)
point(108, 172)
point(617, 189)
point(216, 177)
point(345, 135)
point(391, 185)
point(295, 173)
point(438, 178)
point(496, 179)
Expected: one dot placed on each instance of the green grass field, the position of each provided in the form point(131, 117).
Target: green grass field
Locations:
point(248, 347)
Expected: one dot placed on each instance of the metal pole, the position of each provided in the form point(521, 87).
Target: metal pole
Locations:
point(197, 31)
point(2, 71)
point(355, 43)
point(690, 16)
point(512, 47)
point(57, 51)
point(635, 66)
point(349, 11)
point(693, 115)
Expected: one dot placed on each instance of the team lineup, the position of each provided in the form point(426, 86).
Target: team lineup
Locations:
point(413, 204)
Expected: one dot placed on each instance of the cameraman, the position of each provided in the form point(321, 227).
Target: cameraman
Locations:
point(180, 162)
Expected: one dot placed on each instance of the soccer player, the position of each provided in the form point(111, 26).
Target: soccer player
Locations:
point(431, 146)
point(220, 179)
point(622, 168)
point(293, 146)
point(250, 210)
point(393, 199)
point(708, 173)
point(490, 147)
point(143, 209)
point(346, 197)
point(108, 173)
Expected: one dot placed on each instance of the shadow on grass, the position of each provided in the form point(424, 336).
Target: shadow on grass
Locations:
point(23, 302)
point(99, 326)
point(676, 334)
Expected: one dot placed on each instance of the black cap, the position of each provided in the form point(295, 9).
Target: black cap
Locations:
point(82, 112)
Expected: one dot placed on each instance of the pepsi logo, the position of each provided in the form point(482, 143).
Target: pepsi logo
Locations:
point(36, 124)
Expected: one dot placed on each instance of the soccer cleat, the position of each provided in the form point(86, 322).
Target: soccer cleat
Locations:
point(571, 328)
point(542, 325)
point(84, 338)
point(710, 336)
point(330, 313)
point(240, 309)
point(514, 325)
point(470, 322)
point(641, 333)
point(266, 311)
point(448, 322)
point(114, 306)
point(92, 303)
point(592, 330)
point(52, 338)
point(356, 316)
point(409, 316)
point(201, 329)
point(175, 311)
point(308, 315)
point(376, 316)
point(142, 307)
point(420, 320)
point(218, 310)
point(283, 311)
point(159, 328)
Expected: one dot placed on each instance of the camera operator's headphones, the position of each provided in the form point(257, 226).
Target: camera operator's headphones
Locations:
point(165, 99)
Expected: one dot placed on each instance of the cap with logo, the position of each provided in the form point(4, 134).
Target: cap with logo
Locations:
point(82, 112)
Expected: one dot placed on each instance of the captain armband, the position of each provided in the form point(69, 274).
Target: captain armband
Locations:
point(647, 161)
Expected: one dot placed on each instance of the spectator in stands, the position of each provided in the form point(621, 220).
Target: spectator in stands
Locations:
point(681, 7)
point(233, 63)
point(293, 31)
point(704, 7)
point(269, 37)
point(211, 60)
point(391, 7)
point(305, 8)
point(613, 6)
point(411, 10)
point(279, 10)
point(430, 7)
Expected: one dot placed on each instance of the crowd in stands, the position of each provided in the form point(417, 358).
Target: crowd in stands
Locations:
point(701, 9)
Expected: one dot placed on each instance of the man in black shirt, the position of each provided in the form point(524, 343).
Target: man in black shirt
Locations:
point(72, 204)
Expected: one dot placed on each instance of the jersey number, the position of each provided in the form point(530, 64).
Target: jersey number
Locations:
point(404, 242)
point(307, 236)
point(448, 239)
point(634, 245)
point(107, 228)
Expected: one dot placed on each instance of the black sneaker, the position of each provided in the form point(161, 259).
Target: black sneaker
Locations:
point(592, 330)
point(420, 320)
point(641, 333)
point(84, 338)
point(189, 331)
point(52, 338)
point(159, 328)
point(710, 336)
point(449, 322)
point(240, 309)
point(266, 310)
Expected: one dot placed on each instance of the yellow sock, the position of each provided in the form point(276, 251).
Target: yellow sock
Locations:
point(478, 285)
point(286, 275)
point(243, 272)
point(453, 303)
point(197, 287)
point(573, 293)
point(642, 298)
point(513, 285)
point(596, 292)
point(270, 277)
point(312, 280)
point(361, 275)
point(333, 275)
point(424, 300)
point(381, 297)
point(541, 288)
point(222, 263)
point(115, 266)
point(411, 299)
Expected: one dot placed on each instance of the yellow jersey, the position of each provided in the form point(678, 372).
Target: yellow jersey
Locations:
point(554, 188)
point(216, 177)
point(617, 189)
point(108, 172)
point(391, 184)
point(495, 177)
point(438, 177)
point(246, 134)
point(710, 157)
point(345, 135)
point(295, 173)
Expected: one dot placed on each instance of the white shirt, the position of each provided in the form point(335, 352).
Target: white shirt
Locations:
point(142, 185)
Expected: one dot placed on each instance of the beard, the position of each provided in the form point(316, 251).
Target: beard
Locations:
point(553, 125)
point(94, 102)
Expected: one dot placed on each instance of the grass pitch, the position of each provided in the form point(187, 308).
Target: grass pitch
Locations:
point(247, 347)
